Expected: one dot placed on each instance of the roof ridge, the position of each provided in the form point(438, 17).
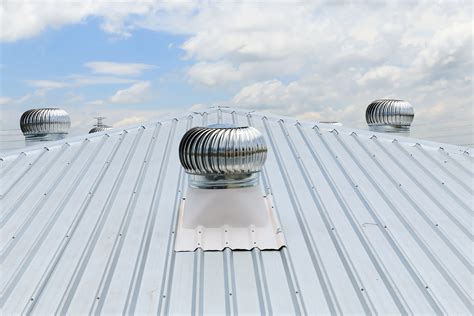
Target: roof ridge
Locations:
point(242, 111)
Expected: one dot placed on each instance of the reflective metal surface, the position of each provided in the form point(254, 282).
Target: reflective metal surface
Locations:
point(389, 115)
point(100, 126)
point(99, 129)
point(331, 123)
point(45, 124)
point(373, 225)
point(220, 156)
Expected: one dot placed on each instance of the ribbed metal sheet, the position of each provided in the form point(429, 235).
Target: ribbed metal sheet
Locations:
point(372, 224)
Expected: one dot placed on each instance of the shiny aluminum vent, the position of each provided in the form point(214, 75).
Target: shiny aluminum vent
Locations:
point(99, 126)
point(45, 124)
point(222, 156)
point(389, 115)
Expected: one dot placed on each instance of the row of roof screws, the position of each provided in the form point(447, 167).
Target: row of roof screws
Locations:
point(46, 124)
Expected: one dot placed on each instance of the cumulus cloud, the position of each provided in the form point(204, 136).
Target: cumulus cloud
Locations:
point(211, 74)
point(385, 73)
point(24, 19)
point(114, 68)
point(130, 120)
point(309, 59)
point(138, 92)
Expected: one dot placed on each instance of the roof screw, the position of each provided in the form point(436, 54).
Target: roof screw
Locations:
point(362, 289)
point(230, 294)
point(13, 237)
point(98, 298)
point(32, 299)
point(436, 225)
point(164, 296)
point(442, 183)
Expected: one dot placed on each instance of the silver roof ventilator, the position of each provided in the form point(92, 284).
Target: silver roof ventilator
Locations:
point(45, 124)
point(224, 206)
point(100, 126)
point(388, 115)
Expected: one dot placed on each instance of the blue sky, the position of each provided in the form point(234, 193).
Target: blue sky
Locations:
point(134, 61)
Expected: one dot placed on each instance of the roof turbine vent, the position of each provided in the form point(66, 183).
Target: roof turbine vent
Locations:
point(388, 115)
point(222, 156)
point(45, 124)
point(100, 126)
point(224, 207)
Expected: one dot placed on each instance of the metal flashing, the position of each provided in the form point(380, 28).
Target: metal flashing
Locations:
point(238, 219)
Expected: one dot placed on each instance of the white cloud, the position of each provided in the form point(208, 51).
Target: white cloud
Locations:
point(130, 120)
point(5, 100)
point(43, 86)
point(113, 68)
point(46, 84)
point(72, 81)
point(212, 74)
point(96, 102)
point(24, 19)
point(136, 93)
point(85, 80)
point(385, 73)
point(308, 59)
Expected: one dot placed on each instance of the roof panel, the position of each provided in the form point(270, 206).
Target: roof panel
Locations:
point(372, 224)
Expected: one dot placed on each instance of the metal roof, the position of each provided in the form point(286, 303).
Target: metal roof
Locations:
point(372, 224)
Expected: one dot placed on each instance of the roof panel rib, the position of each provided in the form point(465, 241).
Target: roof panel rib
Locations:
point(373, 225)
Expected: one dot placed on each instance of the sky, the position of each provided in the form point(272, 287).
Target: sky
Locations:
point(134, 61)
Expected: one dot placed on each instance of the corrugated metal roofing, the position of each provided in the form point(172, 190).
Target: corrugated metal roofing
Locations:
point(372, 224)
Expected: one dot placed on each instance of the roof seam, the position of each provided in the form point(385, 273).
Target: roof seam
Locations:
point(72, 228)
point(422, 285)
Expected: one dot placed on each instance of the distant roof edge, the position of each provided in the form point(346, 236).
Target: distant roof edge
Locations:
point(210, 110)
